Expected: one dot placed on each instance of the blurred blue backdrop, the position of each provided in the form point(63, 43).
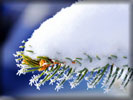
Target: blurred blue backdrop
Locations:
point(20, 19)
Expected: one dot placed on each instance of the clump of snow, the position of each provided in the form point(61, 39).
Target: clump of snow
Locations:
point(94, 29)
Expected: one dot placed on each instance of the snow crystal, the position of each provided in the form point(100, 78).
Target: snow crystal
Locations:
point(15, 55)
point(89, 86)
point(34, 79)
point(95, 29)
point(21, 71)
point(37, 86)
point(73, 84)
point(17, 60)
point(58, 86)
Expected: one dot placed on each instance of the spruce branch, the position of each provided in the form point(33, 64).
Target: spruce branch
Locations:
point(59, 72)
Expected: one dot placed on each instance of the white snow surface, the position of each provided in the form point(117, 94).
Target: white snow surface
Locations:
point(92, 28)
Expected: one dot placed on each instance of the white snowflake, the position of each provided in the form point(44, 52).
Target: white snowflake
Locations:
point(21, 71)
point(18, 65)
point(77, 74)
point(19, 52)
point(86, 78)
point(73, 84)
point(42, 83)
point(37, 86)
point(51, 81)
point(58, 87)
point(15, 55)
point(70, 76)
point(33, 80)
point(17, 61)
point(23, 41)
point(22, 66)
point(60, 79)
point(89, 86)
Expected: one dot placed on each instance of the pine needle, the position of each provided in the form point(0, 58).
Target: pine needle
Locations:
point(105, 68)
point(129, 69)
point(111, 70)
point(98, 57)
point(114, 56)
point(89, 57)
point(115, 75)
point(69, 59)
point(30, 51)
point(120, 73)
point(131, 74)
